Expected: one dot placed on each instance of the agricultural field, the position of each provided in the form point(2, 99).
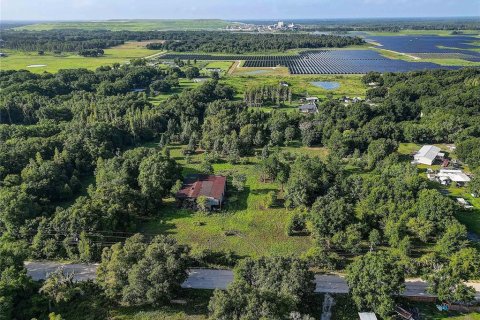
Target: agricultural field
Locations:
point(49, 62)
point(133, 25)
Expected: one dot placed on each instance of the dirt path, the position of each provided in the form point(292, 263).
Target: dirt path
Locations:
point(234, 66)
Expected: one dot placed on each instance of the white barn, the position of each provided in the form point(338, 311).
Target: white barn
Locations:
point(426, 155)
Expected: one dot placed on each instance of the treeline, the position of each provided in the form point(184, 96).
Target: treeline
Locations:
point(78, 40)
point(238, 43)
point(79, 123)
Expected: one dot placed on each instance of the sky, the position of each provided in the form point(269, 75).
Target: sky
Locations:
point(232, 9)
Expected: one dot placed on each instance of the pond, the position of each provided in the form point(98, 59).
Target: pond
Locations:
point(327, 85)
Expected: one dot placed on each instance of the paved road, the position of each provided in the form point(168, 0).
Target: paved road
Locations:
point(212, 279)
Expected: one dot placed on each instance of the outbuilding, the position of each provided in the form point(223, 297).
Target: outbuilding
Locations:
point(308, 108)
point(426, 155)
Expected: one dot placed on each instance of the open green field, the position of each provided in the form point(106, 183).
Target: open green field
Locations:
point(184, 84)
point(245, 227)
point(350, 85)
point(133, 25)
point(52, 63)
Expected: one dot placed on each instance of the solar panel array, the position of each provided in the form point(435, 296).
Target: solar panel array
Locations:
point(430, 44)
point(321, 62)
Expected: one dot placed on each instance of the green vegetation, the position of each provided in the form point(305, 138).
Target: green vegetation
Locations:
point(52, 63)
point(242, 228)
point(90, 158)
point(132, 25)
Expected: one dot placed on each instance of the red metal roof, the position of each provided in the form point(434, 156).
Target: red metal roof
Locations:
point(196, 185)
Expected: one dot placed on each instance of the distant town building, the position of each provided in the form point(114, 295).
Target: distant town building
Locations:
point(426, 155)
point(280, 24)
point(213, 187)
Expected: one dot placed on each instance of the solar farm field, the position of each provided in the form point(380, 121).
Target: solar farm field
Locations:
point(320, 62)
point(429, 46)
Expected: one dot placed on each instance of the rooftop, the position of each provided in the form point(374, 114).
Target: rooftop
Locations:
point(428, 151)
point(196, 185)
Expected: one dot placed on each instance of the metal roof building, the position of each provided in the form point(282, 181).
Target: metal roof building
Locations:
point(426, 155)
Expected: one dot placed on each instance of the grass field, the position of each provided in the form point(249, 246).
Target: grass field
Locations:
point(350, 85)
point(184, 84)
point(245, 226)
point(52, 63)
point(133, 25)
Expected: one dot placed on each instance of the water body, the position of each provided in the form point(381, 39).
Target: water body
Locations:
point(327, 85)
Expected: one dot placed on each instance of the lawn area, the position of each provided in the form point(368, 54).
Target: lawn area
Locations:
point(184, 84)
point(244, 226)
point(52, 63)
point(133, 25)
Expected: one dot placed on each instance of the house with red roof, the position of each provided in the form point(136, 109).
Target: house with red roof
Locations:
point(212, 187)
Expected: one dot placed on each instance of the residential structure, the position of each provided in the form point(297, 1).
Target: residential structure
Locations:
point(213, 187)
point(426, 155)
